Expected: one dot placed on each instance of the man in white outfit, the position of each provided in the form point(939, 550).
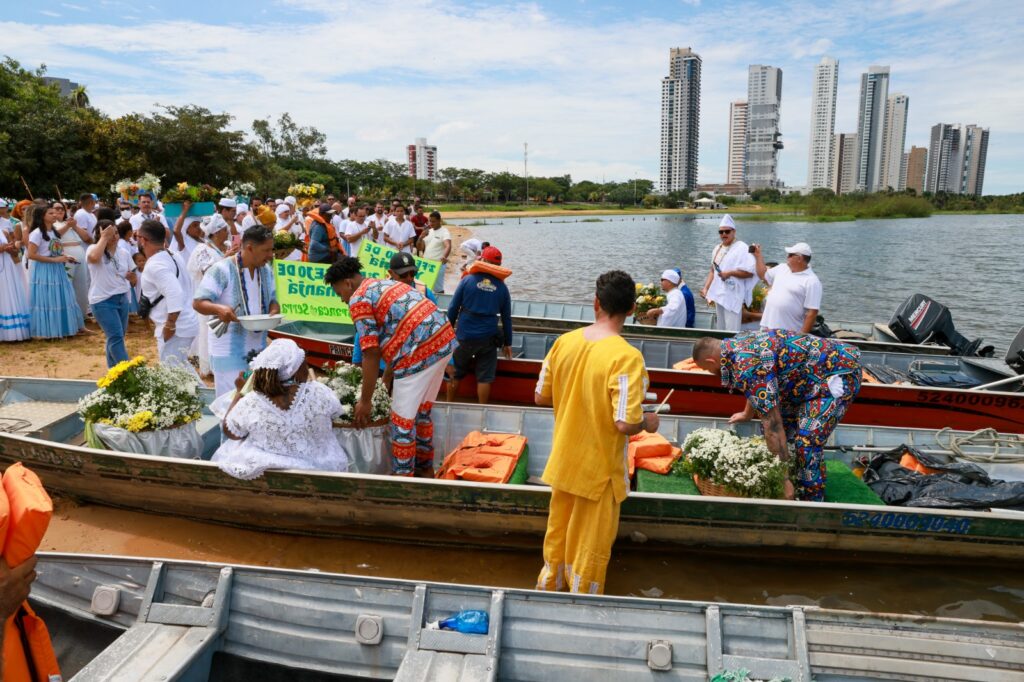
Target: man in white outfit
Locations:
point(730, 281)
point(167, 284)
point(795, 296)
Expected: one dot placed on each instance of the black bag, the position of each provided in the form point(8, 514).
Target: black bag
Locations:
point(145, 305)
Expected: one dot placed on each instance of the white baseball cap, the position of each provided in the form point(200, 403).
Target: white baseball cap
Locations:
point(671, 275)
point(227, 203)
point(801, 248)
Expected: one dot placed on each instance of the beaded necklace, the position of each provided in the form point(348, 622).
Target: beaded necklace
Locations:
point(244, 289)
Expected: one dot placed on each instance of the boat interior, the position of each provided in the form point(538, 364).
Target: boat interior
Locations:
point(121, 618)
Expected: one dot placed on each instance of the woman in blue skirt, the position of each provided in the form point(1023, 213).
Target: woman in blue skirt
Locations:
point(54, 311)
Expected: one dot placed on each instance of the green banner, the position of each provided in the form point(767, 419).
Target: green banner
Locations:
point(302, 294)
point(376, 258)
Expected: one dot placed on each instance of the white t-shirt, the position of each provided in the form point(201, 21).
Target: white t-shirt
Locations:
point(433, 242)
point(379, 223)
point(353, 227)
point(674, 313)
point(247, 222)
point(43, 245)
point(158, 279)
point(400, 232)
point(791, 296)
point(87, 221)
point(107, 277)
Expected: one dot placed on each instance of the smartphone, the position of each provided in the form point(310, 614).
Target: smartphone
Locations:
point(752, 248)
point(236, 240)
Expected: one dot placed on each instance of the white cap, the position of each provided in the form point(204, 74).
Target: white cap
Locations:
point(227, 203)
point(3, 203)
point(802, 248)
point(671, 275)
point(290, 200)
point(727, 221)
point(212, 224)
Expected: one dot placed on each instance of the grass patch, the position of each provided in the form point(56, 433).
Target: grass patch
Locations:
point(793, 218)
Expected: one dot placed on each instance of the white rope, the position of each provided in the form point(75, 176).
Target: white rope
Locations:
point(987, 438)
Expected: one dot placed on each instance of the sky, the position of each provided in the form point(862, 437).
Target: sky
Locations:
point(579, 80)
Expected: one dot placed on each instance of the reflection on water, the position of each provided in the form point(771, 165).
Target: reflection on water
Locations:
point(758, 577)
point(868, 268)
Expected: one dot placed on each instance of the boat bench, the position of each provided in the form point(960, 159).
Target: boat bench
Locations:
point(168, 641)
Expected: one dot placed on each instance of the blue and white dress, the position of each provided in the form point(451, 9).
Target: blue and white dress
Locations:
point(14, 311)
point(54, 311)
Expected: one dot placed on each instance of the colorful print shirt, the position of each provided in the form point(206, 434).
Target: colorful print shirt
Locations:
point(776, 366)
point(410, 331)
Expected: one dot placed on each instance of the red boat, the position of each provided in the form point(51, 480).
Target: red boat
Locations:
point(699, 393)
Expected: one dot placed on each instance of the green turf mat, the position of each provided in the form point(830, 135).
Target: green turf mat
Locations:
point(521, 472)
point(650, 482)
point(842, 485)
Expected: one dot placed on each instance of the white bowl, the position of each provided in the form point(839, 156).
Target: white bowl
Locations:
point(260, 323)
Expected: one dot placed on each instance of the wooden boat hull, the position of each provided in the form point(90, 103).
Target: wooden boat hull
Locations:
point(429, 511)
point(204, 621)
point(699, 393)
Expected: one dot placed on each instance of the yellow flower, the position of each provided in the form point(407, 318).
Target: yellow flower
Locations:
point(115, 372)
point(182, 186)
point(139, 421)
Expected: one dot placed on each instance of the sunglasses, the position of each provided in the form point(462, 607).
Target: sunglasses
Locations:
point(724, 231)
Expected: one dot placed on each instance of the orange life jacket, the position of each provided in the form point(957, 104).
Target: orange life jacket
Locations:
point(332, 236)
point(483, 267)
point(651, 451)
point(688, 365)
point(27, 651)
point(908, 461)
point(484, 457)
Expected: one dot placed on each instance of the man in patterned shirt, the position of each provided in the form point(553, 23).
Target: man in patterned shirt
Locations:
point(397, 323)
point(800, 386)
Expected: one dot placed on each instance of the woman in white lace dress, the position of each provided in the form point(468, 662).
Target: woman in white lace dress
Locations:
point(284, 422)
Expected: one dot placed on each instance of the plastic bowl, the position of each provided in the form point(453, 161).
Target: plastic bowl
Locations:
point(259, 323)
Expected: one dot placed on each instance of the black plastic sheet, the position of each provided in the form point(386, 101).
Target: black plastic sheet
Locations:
point(957, 485)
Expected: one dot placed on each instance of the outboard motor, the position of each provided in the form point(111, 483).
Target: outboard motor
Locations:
point(921, 319)
point(1015, 356)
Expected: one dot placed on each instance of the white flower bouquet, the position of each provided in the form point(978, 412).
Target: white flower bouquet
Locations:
point(744, 467)
point(346, 381)
point(129, 189)
point(238, 189)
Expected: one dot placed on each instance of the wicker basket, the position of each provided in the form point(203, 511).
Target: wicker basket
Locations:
point(709, 489)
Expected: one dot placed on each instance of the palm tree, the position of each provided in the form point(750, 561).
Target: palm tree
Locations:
point(79, 98)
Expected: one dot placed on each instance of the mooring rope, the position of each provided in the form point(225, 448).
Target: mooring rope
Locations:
point(983, 437)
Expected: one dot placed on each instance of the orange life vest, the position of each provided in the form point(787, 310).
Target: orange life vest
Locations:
point(484, 457)
point(483, 267)
point(688, 365)
point(908, 461)
point(27, 651)
point(332, 236)
point(651, 451)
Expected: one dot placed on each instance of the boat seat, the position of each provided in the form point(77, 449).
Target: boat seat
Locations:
point(739, 652)
point(447, 656)
point(168, 641)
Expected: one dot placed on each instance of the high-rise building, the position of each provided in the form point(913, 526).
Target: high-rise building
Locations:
point(895, 138)
point(680, 120)
point(737, 142)
point(821, 153)
point(913, 177)
point(844, 163)
point(422, 160)
point(956, 159)
point(764, 97)
point(874, 93)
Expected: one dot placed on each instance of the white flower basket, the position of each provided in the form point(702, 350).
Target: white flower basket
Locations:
point(182, 442)
point(368, 449)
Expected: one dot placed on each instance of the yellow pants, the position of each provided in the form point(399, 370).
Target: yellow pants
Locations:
point(578, 542)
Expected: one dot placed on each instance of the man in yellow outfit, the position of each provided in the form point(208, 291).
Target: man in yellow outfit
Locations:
point(596, 382)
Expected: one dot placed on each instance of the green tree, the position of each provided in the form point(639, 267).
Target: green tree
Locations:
point(193, 144)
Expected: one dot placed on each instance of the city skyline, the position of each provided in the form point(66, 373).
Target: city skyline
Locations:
point(573, 78)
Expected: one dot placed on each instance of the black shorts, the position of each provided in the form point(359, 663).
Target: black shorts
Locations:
point(480, 355)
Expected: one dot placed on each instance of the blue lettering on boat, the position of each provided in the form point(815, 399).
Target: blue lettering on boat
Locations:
point(911, 522)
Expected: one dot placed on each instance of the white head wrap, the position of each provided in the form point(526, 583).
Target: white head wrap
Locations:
point(189, 219)
point(671, 275)
point(727, 221)
point(284, 355)
point(281, 222)
point(290, 200)
point(281, 208)
point(214, 224)
point(241, 208)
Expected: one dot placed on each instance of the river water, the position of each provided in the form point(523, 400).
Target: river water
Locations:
point(970, 263)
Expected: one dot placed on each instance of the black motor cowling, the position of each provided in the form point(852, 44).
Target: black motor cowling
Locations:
point(1015, 354)
point(921, 319)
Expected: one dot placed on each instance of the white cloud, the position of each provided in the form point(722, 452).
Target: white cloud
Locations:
point(481, 80)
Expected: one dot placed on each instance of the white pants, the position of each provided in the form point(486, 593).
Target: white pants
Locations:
point(175, 351)
point(727, 320)
point(422, 387)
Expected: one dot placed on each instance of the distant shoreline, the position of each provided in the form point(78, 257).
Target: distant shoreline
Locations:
point(753, 214)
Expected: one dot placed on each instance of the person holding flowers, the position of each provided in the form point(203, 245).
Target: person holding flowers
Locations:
point(285, 422)
point(679, 310)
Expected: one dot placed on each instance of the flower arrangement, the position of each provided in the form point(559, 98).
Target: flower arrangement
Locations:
point(136, 397)
point(648, 297)
point(744, 466)
point(129, 188)
point(346, 380)
point(284, 243)
point(310, 191)
point(238, 189)
point(194, 193)
point(757, 297)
